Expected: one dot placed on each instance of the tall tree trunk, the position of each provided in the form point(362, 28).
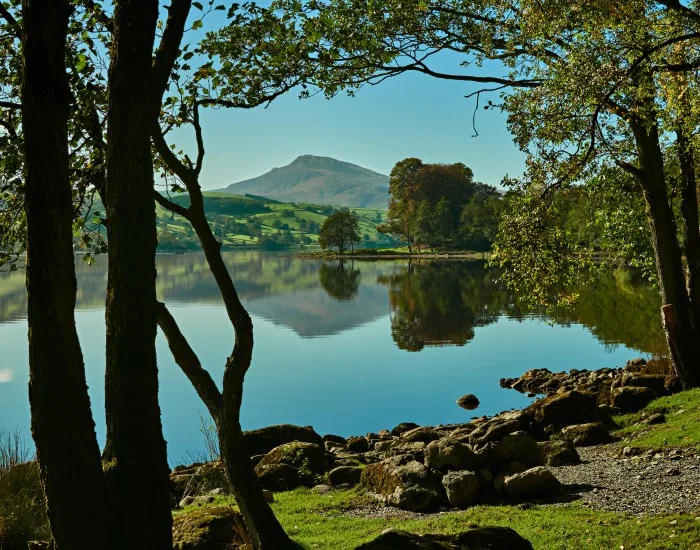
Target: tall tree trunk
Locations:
point(265, 529)
point(677, 317)
point(138, 473)
point(62, 424)
point(689, 210)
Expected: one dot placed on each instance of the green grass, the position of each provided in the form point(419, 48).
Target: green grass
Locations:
point(320, 521)
point(681, 429)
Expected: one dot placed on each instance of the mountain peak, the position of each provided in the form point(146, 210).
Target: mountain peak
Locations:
point(319, 180)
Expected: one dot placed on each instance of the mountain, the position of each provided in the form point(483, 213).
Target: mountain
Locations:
point(319, 180)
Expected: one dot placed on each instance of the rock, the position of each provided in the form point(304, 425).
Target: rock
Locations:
point(307, 458)
point(423, 435)
point(269, 496)
point(520, 447)
point(321, 489)
point(334, 439)
point(448, 454)
point(564, 409)
point(211, 528)
point(262, 441)
point(656, 418)
point(357, 444)
point(344, 475)
point(494, 431)
point(404, 427)
point(278, 477)
point(654, 382)
point(468, 402)
point(559, 453)
point(406, 485)
point(585, 435)
point(383, 446)
point(462, 488)
point(533, 483)
point(481, 538)
point(632, 398)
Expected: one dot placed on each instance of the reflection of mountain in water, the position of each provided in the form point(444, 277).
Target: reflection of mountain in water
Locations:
point(431, 304)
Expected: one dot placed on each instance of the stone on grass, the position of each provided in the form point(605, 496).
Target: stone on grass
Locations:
point(278, 477)
point(404, 483)
point(482, 538)
point(632, 398)
point(211, 528)
point(344, 475)
point(462, 488)
point(536, 482)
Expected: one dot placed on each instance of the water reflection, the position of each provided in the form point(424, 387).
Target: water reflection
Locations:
point(340, 281)
point(433, 303)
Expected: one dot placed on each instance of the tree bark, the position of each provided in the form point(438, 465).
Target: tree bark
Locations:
point(62, 424)
point(691, 228)
point(677, 314)
point(138, 475)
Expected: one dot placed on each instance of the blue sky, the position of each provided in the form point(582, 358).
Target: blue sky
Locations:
point(411, 115)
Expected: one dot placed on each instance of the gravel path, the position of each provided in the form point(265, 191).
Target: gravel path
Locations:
point(650, 484)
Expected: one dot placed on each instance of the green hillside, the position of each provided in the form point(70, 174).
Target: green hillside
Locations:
point(247, 221)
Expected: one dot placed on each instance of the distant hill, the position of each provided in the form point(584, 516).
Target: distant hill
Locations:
point(319, 180)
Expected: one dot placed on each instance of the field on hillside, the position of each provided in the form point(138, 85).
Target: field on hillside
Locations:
point(248, 221)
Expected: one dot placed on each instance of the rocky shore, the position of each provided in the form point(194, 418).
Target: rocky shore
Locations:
point(550, 453)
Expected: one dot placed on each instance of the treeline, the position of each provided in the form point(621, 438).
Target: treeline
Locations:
point(441, 207)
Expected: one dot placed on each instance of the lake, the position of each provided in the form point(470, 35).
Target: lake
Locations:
point(347, 348)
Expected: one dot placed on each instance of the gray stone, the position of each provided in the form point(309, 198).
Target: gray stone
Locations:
point(462, 488)
point(449, 454)
point(632, 398)
point(533, 483)
point(585, 435)
point(344, 475)
point(262, 441)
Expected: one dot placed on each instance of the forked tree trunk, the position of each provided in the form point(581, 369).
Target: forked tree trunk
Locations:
point(677, 315)
point(138, 473)
point(62, 424)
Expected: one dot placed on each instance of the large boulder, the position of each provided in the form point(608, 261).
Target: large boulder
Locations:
point(211, 528)
point(563, 409)
point(262, 441)
point(494, 430)
point(403, 427)
point(356, 444)
point(344, 475)
point(449, 454)
point(307, 458)
point(656, 382)
point(536, 482)
point(481, 538)
point(521, 447)
point(404, 483)
point(632, 398)
point(585, 435)
point(463, 488)
point(278, 477)
point(559, 453)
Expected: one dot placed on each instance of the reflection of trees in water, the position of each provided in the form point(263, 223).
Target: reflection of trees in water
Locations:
point(340, 281)
point(440, 303)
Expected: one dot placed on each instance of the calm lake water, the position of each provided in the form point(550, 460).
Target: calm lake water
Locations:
point(347, 348)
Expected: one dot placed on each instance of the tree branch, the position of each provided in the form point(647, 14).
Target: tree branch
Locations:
point(169, 48)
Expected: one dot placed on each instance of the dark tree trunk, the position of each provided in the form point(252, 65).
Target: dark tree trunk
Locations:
point(689, 210)
point(676, 309)
point(138, 474)
point(62, 424)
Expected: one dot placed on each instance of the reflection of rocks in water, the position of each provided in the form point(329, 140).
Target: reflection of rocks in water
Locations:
point(340, 281)
point(440, 303)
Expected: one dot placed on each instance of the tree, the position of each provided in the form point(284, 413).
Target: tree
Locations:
point(341, 230)
point(62, 425)
point(479, 219)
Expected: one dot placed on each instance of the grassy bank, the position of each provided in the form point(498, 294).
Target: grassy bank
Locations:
point(680, 426)
point(335, 521)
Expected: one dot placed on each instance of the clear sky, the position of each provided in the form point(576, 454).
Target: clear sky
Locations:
point(411, 115)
